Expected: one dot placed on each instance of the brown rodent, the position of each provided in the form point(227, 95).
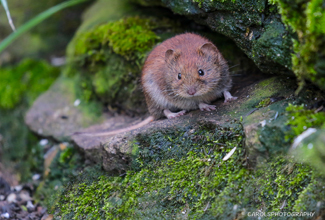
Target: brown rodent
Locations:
point(185, 72)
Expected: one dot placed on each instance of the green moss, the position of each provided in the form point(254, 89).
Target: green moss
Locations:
point(301, 119)
point(26, 81)
point(264, 103)
point(109, 59)
point(307, 18)
point(275, 186)
point(281, 181)
point(261, 93)
point(312, 197)
point(130, 37)
point(19, 86)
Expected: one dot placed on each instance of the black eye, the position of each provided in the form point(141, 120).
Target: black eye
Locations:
point(179, 76)
point(201, 72)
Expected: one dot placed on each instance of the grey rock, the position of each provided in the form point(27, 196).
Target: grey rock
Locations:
point(54, 114)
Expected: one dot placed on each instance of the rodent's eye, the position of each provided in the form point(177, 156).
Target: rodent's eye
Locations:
point(179, 76)
point(201, 72)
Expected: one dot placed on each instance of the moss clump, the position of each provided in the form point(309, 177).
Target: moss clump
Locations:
point(129, 37)
point(307, 18)
point(280, 182)
point(264, 103)
point(276, 185)
point(26, 81)
point(109, 59)
point(312, 196)
point(301, 119)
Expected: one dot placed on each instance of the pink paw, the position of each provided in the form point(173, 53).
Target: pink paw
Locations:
point(206, 107)
point(170, 115)
point(230, 99)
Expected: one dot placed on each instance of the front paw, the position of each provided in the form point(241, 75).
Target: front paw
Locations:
point(170, 114)
point(206, 107)
point(230, 99)
point(228, 96)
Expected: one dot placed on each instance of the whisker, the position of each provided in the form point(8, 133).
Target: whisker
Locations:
point(233, 66)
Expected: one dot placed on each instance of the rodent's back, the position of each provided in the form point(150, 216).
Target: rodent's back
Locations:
point(187, 43)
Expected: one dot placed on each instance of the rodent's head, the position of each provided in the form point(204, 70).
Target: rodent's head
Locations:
point(194, 73)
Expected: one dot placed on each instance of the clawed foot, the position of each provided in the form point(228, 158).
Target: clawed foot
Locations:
point(228, 97)
point(206, 107)
point(170, 114)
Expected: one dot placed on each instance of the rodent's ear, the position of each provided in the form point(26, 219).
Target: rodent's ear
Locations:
point(208, 48)
point(172, 54)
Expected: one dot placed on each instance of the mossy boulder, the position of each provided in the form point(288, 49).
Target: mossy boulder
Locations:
point(183, 173)
point(260, 141)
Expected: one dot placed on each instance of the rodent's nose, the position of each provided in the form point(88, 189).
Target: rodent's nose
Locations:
point(191, 91)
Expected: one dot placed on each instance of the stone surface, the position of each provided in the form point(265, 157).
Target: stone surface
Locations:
point(56, 113)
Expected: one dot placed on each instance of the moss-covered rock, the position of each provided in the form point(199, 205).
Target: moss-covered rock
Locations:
point(183, 173)
point(307, 19)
